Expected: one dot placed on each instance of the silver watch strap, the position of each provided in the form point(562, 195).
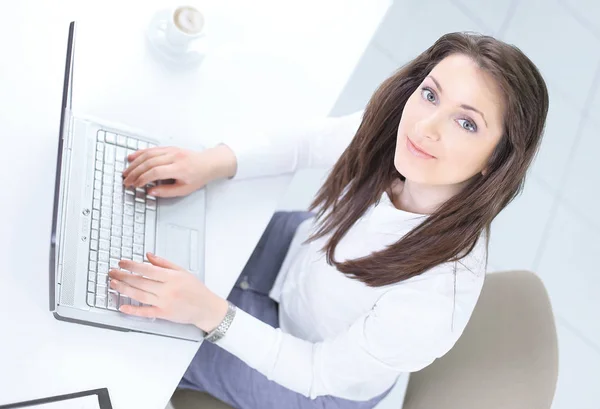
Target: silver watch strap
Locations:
point(220, 331)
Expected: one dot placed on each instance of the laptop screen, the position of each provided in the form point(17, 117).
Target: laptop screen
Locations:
point(66, 105)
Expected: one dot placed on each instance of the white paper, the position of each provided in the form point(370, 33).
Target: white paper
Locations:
point(83, 402)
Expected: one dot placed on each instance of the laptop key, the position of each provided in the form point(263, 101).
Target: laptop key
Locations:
point(107, 202)
point(117, 231)
point(115, 241)
point(128, 209)
point(115, 252)
point(121, 140)
point(117, 219)
point(102, 268)
point(104, 234)
point(104, 245)
point(114, 263)
point(118, 201)
point(127, 252)
point(127, 231)
point(120, 154)
point(103, 256)
point(100, 302)
point(138, 249)
point(110, 154)
point(127, 221)
point(90, 299)
point(117, 208)
point(113, 301)
point(111, 137)
point(101, 279)
point(105, 223)
point(127, 241)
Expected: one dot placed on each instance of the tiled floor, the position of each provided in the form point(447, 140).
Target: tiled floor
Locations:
point(553, 229)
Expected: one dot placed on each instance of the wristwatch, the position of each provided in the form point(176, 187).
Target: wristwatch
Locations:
point(219, 332)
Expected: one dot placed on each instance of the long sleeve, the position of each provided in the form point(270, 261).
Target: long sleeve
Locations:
point(405, 331)
point(314, 143)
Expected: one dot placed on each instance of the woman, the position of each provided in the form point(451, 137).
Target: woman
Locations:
point(403, 218)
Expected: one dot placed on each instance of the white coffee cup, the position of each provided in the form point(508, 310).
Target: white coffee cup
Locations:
point(185, 24)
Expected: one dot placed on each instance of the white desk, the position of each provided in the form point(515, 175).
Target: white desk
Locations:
point(279, 60)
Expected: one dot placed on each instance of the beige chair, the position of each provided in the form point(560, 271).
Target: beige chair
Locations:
point(507, 358)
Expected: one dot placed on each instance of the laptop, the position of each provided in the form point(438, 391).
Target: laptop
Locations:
point(97, 222)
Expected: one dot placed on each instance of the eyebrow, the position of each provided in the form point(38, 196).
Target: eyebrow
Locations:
point(465, 106)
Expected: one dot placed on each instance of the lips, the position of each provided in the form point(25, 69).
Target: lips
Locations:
point(418, 152)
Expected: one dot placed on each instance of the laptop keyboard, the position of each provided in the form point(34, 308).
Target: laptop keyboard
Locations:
point(123, 219)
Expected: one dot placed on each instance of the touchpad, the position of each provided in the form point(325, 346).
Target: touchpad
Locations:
point(179, 246)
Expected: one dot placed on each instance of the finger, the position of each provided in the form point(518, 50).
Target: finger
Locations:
point(148, 311)
point(142, 156)
point(147, 270)
point(161, 262)
point(157, 173)
point(133, 293)
point(136, 281)
point(169, 190)
point(133, 156)
point(148, 164)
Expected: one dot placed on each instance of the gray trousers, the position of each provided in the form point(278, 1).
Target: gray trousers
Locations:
point(227, 378)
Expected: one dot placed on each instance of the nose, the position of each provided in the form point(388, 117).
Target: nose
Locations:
point(429, 127)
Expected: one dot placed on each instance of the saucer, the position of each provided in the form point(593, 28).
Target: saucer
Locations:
point(193, 54)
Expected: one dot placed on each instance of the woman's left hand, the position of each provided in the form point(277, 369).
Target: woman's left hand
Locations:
point(171, 292)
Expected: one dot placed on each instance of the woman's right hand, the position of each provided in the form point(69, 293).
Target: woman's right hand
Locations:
point(189, 169)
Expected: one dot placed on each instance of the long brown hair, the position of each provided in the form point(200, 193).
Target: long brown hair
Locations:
point(366, 168)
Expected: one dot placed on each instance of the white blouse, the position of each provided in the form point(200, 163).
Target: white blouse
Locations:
point(338, 336)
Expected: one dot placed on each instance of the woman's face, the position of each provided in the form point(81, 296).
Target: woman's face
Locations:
point(450, 124)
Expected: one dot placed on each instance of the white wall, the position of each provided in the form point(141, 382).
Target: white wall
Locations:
point(553, 229)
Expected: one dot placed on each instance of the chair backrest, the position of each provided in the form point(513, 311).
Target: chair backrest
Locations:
point(507, 357)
